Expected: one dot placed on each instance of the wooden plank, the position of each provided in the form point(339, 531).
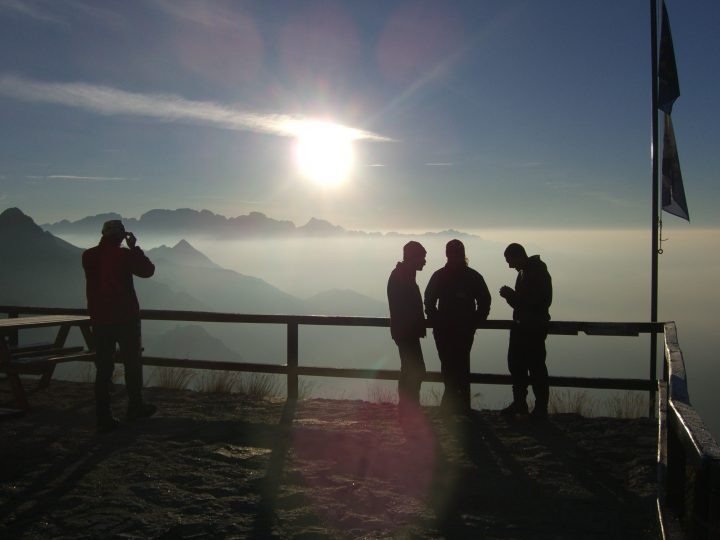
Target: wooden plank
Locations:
point(391, 374)
point(11, 325)
point(555, 327)
point(214, 365)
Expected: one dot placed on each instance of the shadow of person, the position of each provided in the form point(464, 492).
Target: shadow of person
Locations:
point(476, 479)
point(270, 485)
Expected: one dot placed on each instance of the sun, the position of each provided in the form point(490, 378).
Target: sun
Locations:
point(324, 153)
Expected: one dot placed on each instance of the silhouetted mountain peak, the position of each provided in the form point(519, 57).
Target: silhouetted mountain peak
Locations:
point(182, 253)
point(15, 218)
point(317, 226)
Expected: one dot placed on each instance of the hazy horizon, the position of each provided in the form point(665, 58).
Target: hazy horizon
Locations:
point(601, 275)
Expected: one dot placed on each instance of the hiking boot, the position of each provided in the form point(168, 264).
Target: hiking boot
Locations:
point(108, 423)
point(144, 410)
point(515, 408)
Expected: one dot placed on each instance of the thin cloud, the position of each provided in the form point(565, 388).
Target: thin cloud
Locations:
point(59, 13)
point(204, 14)
point(440, 164)
point(28, 9)
point(90, 178)
point(166, 108)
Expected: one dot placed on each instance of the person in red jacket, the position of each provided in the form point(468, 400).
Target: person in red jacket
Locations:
point(115, 317)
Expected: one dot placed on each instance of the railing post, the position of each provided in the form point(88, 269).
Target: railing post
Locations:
point(653, 379)
point(292, 361)
point(13, 339)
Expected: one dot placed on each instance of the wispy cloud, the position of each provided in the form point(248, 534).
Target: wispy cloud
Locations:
point(30, 9)
point(202, 13)
point(376, 165)
point(166, 108)
point(90, 178)
point(62, 13)
point(440, 164)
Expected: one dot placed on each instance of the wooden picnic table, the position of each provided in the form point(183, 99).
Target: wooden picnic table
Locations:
point(39, 359)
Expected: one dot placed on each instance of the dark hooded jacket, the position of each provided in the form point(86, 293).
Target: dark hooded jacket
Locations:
point(407, 320)
point(456, 296)
point(533, 293)
point(109, 271)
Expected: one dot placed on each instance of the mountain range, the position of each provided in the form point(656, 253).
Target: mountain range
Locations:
point(189, 222)
point(40, 269)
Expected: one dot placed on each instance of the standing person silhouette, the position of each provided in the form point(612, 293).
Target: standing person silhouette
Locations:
point(407, 326)
point(456, 300)
point(530, 301)
point(115, 317)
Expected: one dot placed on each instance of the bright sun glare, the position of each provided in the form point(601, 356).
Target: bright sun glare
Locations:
point(324, 153)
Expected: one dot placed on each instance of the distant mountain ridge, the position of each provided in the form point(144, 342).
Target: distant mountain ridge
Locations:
point(43, 270)
point(189, 222)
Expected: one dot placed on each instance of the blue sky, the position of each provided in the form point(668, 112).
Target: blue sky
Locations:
point(467, 115)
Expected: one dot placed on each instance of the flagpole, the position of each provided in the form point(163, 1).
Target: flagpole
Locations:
point(655, 193)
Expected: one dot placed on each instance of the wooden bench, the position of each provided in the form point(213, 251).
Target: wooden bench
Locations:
point(39, 359)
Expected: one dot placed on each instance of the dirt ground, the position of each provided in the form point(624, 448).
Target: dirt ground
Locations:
point(220, 466)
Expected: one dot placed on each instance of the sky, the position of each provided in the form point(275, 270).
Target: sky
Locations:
point(468, 114)
point(471, 115)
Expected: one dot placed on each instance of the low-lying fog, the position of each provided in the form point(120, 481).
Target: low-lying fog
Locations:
point(597, 276)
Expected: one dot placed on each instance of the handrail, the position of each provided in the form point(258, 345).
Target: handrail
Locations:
point(292, 369)
point(554, 327)
point(689, 457)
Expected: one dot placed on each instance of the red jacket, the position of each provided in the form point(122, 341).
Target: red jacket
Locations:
point(109, 271)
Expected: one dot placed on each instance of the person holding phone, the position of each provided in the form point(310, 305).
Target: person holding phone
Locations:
point(115, 316)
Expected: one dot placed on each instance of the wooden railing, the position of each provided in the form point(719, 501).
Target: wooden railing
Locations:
point(292, 368)
point(688, 457)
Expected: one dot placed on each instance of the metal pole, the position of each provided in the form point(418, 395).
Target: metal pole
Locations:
point(655, 214)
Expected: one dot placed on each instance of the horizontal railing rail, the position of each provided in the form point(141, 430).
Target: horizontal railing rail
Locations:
point(292, 370)
point(689, 457)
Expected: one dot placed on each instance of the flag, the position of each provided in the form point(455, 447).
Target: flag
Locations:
point(668, 85)
point(673, 193)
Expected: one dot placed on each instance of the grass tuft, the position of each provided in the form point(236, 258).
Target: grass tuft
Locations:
point(259, 385)
point(568, 401)
point(172, 377)
point(380, 393)
point(218, 382)
point(628, 405)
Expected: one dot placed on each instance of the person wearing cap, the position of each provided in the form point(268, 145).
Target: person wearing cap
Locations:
point(530, 299)
point(115, 316)
point(407, 326)
point(456, 300)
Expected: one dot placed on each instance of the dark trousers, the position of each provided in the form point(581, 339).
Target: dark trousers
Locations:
point(412, 372)
point(526, 362)
point(454, 345)
point(127, 338)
